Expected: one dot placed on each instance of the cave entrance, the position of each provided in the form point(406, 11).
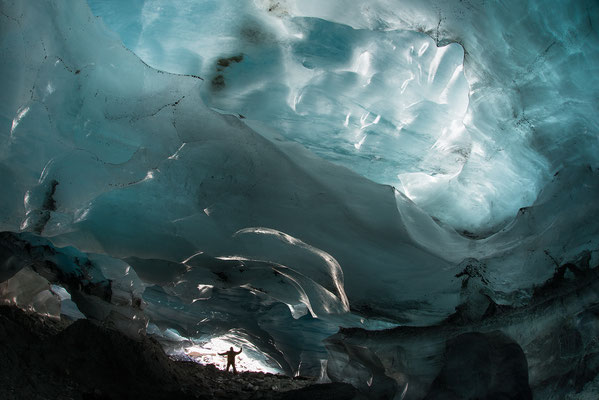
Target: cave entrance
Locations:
point(251, 358)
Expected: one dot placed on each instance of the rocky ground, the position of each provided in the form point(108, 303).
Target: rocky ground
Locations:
point(41, 358)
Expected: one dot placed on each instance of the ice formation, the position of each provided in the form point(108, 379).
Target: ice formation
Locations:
point(270, 171)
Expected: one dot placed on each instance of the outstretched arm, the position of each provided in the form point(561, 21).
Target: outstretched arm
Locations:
point(222, 354)
point(240, 350)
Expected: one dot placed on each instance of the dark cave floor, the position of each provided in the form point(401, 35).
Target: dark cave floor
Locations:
point(43, 358)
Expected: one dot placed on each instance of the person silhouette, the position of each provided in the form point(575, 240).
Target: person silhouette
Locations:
point(231, 358)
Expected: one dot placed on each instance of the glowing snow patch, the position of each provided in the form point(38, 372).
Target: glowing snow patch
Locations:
point(250, 358)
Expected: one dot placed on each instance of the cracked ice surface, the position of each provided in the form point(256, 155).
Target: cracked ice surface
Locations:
point(204, 204)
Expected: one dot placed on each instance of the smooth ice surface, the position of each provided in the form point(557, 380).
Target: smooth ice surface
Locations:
point(387, 104)
point(299, 166)
point(384, 89)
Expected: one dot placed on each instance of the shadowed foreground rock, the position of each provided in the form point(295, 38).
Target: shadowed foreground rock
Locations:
point(482, 366)
point(48, 359)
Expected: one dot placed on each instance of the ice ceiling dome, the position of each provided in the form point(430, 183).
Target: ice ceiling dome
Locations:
point(271, 170)
point(382, 90)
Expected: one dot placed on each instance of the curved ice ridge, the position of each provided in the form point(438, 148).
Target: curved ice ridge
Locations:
point(334, 269)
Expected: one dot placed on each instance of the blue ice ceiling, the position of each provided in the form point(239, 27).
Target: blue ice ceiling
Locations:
point(271, 170)
point(372, 91)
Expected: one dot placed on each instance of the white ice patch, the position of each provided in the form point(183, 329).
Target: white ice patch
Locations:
point(22, 112)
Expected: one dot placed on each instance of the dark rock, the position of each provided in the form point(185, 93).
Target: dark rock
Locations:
point(50, 359)
point(325, 391)
point(482, 366)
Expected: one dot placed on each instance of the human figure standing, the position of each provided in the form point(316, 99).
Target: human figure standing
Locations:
point(231, 358)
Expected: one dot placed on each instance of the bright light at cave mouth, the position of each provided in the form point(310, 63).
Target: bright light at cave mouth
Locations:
point(208, 353)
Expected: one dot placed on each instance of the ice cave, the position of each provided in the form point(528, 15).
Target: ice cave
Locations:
point(377, 199)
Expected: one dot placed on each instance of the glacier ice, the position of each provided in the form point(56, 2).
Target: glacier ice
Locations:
point(368, 88)
point(288, 167)
point(556, 331)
